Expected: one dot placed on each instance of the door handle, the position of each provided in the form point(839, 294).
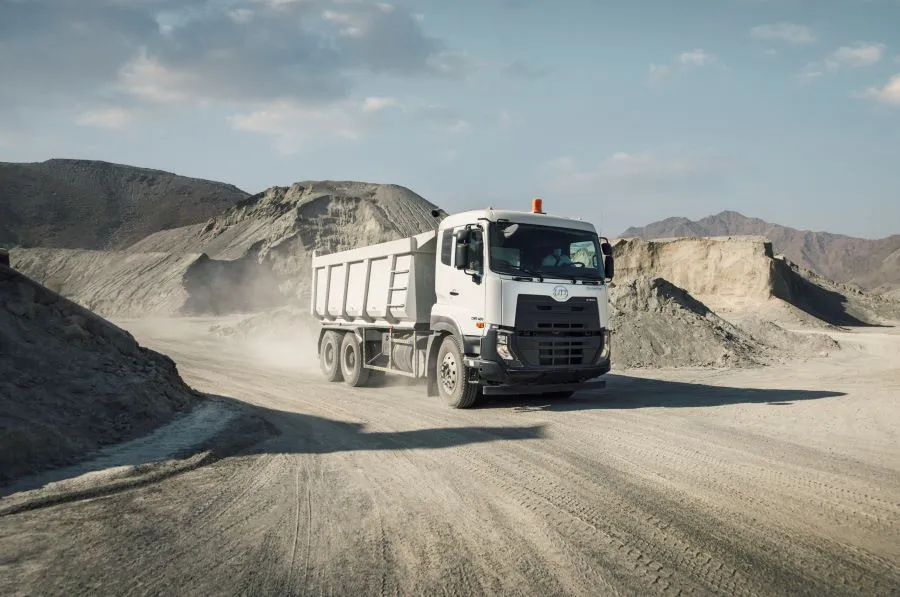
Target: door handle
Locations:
point(454, 293)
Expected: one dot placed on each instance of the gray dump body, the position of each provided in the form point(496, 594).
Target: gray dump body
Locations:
point(383, 285)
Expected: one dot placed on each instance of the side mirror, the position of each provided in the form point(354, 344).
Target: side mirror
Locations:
point(462, 256)
point(607, 251)
point(462, 249)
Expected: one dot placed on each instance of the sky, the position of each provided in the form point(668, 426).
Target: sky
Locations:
point(621, 112)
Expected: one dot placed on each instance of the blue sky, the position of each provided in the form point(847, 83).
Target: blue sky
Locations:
point(618, 112)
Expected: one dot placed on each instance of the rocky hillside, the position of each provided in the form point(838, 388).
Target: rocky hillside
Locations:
point(71, 382)
point(281, 227)
point(253, 255)
point(80, 204)
point(868, 263)
point(741, 274)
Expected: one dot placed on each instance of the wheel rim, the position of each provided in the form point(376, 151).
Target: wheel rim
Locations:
point(328, 355)
point(350, 358)
point(449, 373)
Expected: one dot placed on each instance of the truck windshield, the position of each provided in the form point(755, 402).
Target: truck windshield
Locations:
point(533, 250)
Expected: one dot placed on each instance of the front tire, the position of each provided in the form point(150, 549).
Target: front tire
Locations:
point(453, 376)
point(352, 363)
point(329, 356)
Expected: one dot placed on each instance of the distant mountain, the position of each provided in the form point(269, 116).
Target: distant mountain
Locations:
point(83, 204)
point(872, 264)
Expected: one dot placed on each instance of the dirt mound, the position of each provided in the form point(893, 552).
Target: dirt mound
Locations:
point(71, 382)
point(869, 263)
point(742, 275)
point(657, 324)
point(281, 227)
point(83, 204)
point(840, 304)
point(251, 257)
point(787, 342)
point(725, 269)
point(128, 284)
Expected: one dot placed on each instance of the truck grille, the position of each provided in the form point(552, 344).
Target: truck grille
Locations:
point(552, 353)
point(553, 334)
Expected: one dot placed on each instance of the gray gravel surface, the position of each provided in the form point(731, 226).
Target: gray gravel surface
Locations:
point(776, 481)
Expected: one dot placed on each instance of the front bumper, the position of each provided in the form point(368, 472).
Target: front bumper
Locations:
point(497, 379)
point(498, 376)
point(497, 372)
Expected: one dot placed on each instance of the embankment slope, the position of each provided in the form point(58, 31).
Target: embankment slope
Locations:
point(71, 382)
point(869, 263)
point(281, 227)
point(86, 204)
point(741, 275)
point(130, 284)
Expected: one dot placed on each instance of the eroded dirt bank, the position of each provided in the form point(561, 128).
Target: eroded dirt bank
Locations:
point(776, 481)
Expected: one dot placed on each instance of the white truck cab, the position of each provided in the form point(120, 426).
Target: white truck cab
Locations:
point(515, 302)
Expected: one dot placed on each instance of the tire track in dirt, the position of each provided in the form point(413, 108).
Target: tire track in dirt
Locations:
point(609, 500)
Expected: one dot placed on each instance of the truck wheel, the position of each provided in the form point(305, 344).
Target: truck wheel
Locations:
point(453, 377)
point(351, 362)
point(329, 356)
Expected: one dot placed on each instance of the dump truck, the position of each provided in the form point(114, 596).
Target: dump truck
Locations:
point(492, 302)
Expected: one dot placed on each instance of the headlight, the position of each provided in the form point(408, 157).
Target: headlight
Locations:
point(604, 352)
point(503, 349)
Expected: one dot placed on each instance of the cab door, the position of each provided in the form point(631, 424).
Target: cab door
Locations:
point(460, 292)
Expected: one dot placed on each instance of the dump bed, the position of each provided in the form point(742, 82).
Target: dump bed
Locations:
point(389, 284)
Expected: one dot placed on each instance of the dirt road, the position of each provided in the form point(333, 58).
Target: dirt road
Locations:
point(777, 481)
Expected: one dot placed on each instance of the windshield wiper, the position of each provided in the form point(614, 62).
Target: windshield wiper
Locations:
point(575, 277)
point(530, 272)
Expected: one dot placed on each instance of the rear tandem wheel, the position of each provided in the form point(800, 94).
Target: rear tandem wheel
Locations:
point(352, 362)
point(329, 355)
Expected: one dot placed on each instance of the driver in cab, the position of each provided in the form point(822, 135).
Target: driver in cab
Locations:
point(556, 258)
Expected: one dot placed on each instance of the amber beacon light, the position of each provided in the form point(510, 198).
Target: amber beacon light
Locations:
point(537, 205)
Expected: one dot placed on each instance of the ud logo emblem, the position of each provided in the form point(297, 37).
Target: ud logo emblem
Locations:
point(560, 293)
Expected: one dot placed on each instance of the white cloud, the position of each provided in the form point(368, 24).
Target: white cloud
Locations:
point(696, 58)
point(226, 51)
point(378, 104)
point(659, 71)
point(856, 55)
point(293, 125)
point(111, 117)
point(445, 119)
point(146, 78)
point(789, 32)
point(683, 62)
point(454, 65)
point(639, 172)
point(889, 94)
point(811, 73)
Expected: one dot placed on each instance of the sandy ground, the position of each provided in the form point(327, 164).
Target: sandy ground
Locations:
point(776, 481)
